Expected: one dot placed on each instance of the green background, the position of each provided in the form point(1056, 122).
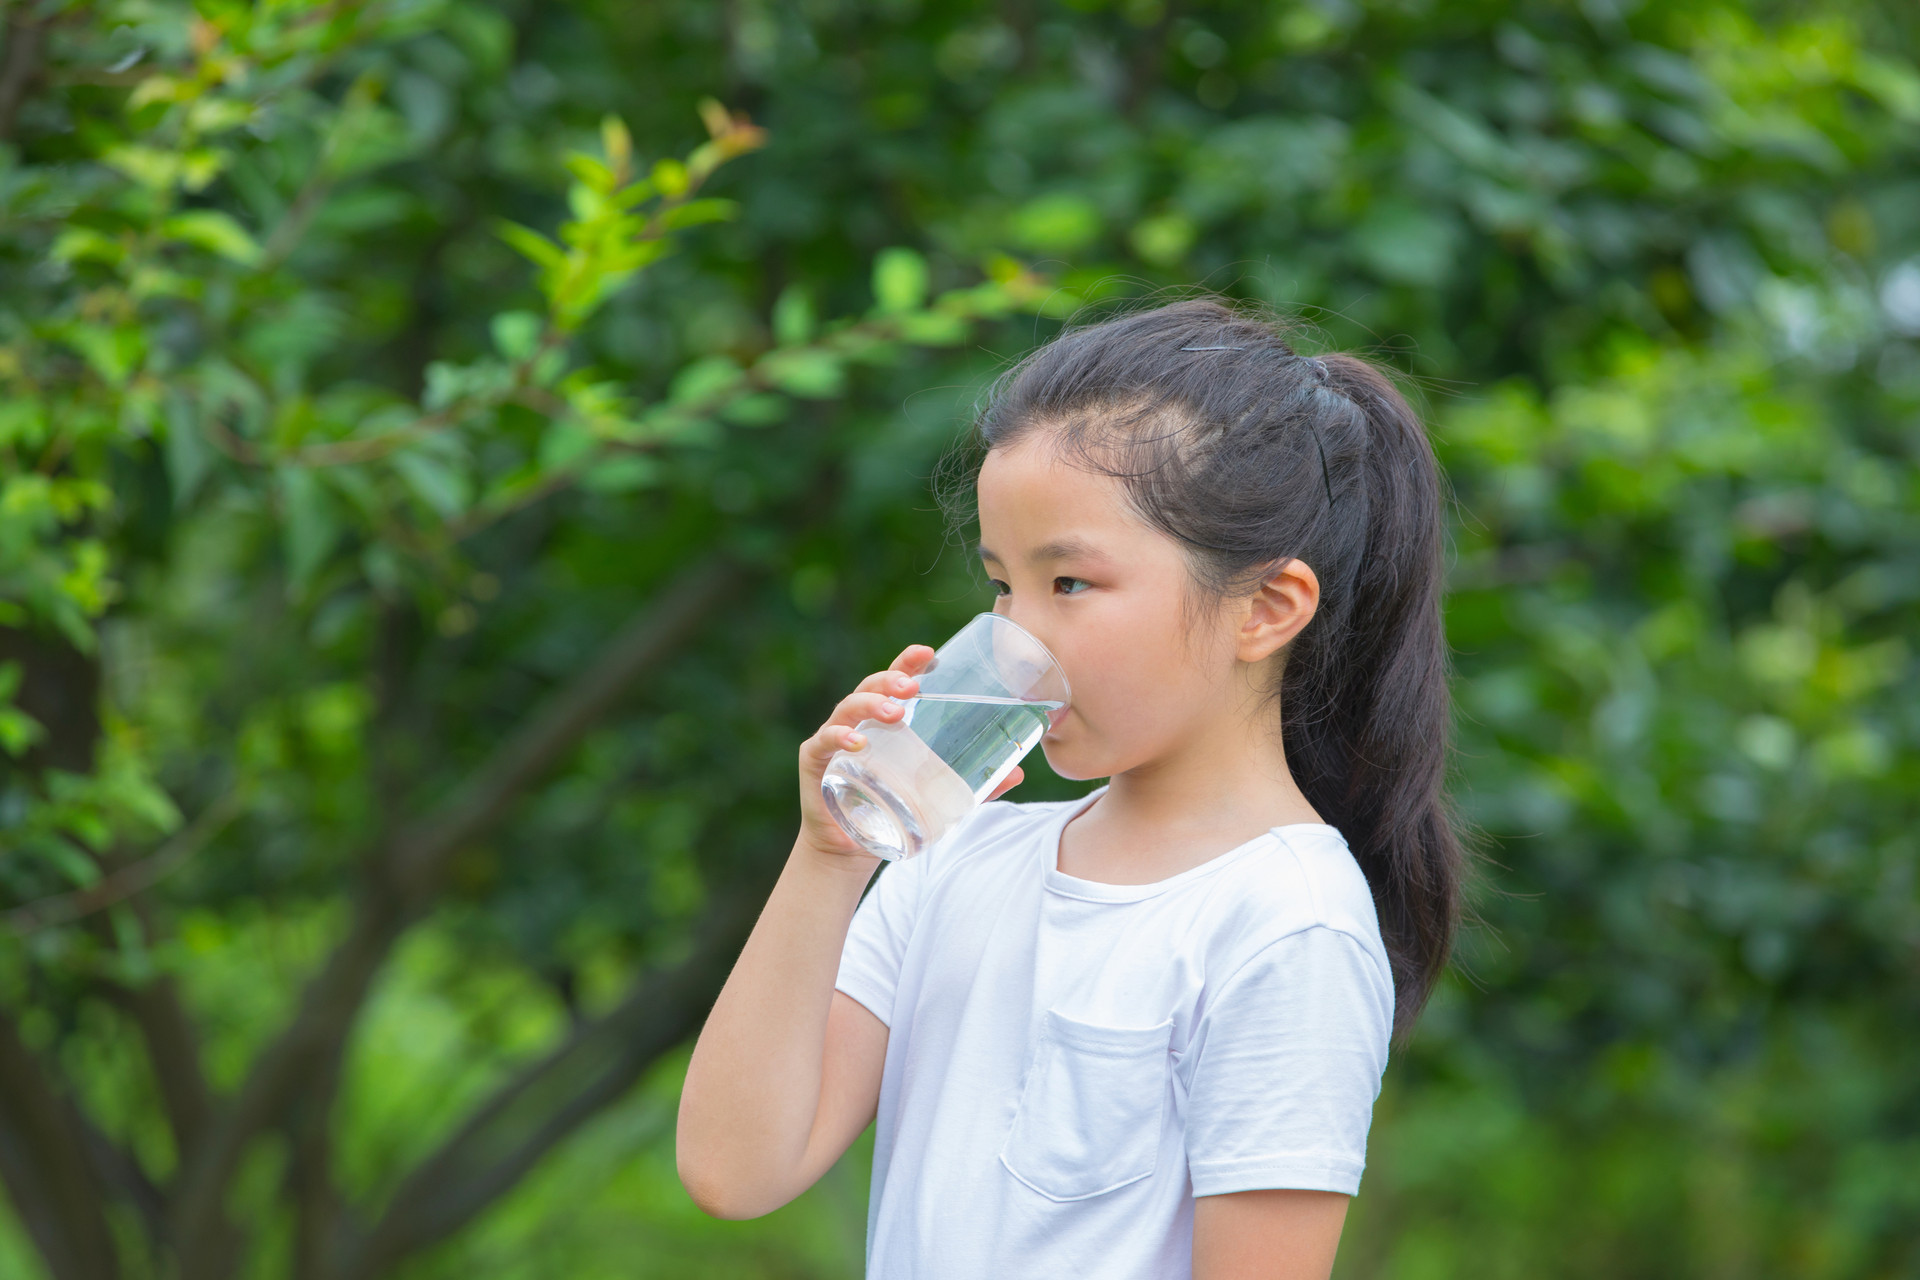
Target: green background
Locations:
point(316, 488)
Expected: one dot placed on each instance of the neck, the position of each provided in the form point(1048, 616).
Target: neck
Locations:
point(1214, 791)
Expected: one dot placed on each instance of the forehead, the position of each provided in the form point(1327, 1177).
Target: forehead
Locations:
point(1030, 495)
point(1033, 481)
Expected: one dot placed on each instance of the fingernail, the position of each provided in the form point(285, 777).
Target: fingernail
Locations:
point(890, 705)
point(856, 740)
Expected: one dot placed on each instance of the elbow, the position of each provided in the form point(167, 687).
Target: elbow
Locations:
point(716, 1200)
point(720, 1196)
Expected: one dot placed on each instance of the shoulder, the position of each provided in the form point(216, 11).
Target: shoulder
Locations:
point(1307, 881)
point(1326, 867)
point(992, 833)
point(1002, 818)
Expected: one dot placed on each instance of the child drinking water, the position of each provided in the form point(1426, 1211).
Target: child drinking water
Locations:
point(1137, 1034)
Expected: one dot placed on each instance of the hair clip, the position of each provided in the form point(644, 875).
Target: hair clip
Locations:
point(1326, 472)
point(1320, 374)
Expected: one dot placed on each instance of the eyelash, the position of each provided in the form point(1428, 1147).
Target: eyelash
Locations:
point(1001, 588)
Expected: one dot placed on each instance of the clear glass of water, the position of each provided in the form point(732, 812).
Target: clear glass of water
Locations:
point(985, 700)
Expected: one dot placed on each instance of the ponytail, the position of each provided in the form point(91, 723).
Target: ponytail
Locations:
point(1251, 455)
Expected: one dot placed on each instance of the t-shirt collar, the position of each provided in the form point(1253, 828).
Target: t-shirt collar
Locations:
point(1058, 881)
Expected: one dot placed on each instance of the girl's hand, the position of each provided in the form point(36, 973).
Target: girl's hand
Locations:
point(881, 696)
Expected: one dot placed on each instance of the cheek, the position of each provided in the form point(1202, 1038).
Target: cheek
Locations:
point(1132, 670)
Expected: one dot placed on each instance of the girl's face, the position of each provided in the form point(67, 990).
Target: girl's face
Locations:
point(1103, 590)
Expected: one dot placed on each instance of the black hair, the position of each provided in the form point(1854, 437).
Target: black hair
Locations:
point(1250, 454)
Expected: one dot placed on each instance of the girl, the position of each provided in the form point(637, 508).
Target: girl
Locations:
point(1137, 1034)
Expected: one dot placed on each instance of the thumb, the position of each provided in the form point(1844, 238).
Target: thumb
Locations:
point(1008, 783)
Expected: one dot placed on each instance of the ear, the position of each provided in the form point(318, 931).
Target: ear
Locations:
point(1275, 613)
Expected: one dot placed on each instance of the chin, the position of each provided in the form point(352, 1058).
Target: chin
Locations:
point(1063, 762)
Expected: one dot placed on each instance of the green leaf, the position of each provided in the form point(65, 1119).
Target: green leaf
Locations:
point(151, 167)
point(542, 251)
point(669, 177)
point(899, 279)
point(806, 372)
point(79, 870)
point(436, 481)
point(565, 443)
point(760, 410)
point(200, 167)
point(987, 299)
point(446, 383)
point(187, 453)
point(590, 171)
point(621, 474)
point(18, 731)
point(616, 141)
point(548, 366)
point(632, 194)
point(793, 316)
point(217, 115)
point(1895, 83)
point(77, 244)
point(695, 212)
point(312, 525)
point(933, 328)
point(1162, 240)
point(1060, 303)
point(114, 353)
point(23, 422)
point(215, 232)
point(705, 378)
point(153, 89)
point(1407, 244)
point(1057, 223)
point(516, 334)
point(586, 204)
point(367, 135)
point(631, 257)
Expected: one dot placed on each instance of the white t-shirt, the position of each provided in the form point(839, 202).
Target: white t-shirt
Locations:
point(1069, 1063)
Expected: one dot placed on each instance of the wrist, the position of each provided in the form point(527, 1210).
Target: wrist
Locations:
point(810, 857)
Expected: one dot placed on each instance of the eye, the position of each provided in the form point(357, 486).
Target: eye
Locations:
point(1082, 581)
point(1000, 588)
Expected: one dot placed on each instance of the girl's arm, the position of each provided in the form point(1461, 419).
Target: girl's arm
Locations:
point(1267, 1235)
point(786, 1072)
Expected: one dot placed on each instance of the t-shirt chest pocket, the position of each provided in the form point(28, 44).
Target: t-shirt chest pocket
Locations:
point(1091, 1109)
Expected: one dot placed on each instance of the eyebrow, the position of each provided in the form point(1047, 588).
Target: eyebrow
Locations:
point(1062, 549)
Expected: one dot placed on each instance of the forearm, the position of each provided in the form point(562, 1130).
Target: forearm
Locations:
point(1267, 1235)
point(753, 1087)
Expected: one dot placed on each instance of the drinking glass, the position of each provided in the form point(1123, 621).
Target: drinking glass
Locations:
point(986, 698)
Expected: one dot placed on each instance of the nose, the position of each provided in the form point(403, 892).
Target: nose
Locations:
point(1039, 633)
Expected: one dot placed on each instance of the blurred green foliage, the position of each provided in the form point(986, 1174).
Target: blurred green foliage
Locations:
point(374, 376)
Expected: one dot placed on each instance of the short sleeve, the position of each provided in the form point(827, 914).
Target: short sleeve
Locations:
point(1286, 1064)
point(876, 942)
point(877, 939)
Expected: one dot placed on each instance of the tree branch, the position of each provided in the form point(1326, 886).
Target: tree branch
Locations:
point(123, 882)
point(402, 877)
point(317, 1206)
point(173, 1051)
point(115, 1168)
point(21, 65)
point(173, 1055)
point(44, 1162)
point(525, 1119)
point(421, 853)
